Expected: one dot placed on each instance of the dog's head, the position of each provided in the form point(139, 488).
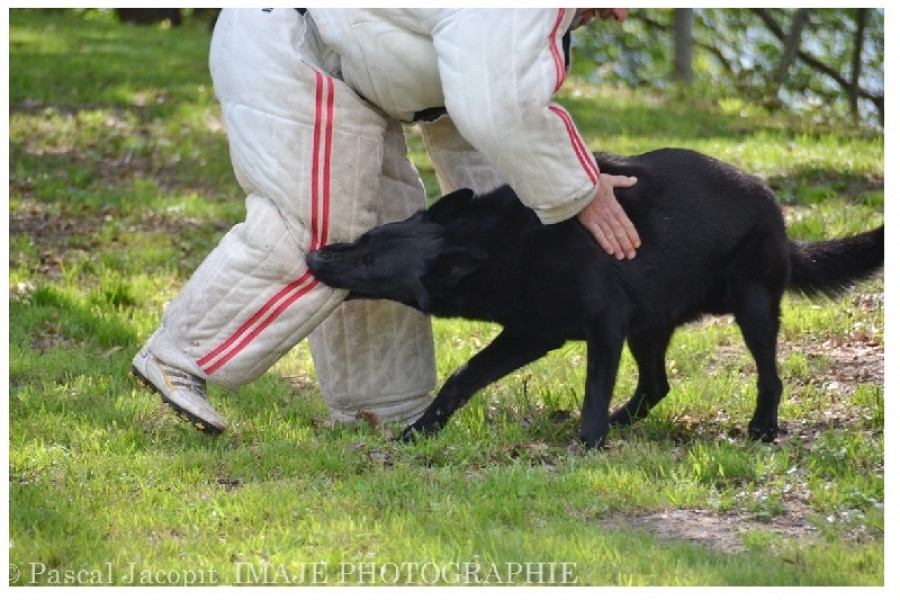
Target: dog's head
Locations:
point(412, 261)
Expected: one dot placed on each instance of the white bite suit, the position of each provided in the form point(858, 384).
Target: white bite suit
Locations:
point(317, 144)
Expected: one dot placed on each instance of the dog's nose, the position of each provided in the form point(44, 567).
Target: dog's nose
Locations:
point(315, 260)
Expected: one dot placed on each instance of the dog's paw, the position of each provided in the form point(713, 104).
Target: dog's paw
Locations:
point(593, 443)
point(763, 432)
point(409, 435)
point(422, 427)
point(621, 418)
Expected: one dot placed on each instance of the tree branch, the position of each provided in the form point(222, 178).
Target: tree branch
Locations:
point(662, 28)
point(848, 87)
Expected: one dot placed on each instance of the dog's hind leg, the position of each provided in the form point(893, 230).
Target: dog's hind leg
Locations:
point(649, 352)
point(507, 352)
point(757, 313)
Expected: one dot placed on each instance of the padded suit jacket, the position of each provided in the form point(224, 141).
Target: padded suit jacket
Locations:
point(494, 71)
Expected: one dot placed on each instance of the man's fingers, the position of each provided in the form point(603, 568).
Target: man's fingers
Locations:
point(618, 181)
point(626, 233)
point(607, 221)
point(616, 237)
point(620, 228)
point(604, 240)
point(629, 241)
point(621, 241)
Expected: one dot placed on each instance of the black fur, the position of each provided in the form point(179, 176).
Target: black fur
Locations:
point(713, 241)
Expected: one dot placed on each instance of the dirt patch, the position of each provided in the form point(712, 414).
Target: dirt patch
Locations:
point(62, 237)
point(720, 531)
point(65, 231)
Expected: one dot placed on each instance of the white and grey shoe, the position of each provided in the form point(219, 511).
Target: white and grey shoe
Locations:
point(184, 392)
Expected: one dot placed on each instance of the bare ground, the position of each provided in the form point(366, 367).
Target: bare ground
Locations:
point(721, 531)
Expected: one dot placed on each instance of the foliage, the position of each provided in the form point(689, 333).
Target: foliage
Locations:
point(736, 56)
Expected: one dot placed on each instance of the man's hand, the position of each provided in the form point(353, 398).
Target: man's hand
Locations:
point(607, 221)
point(583, 16)
point(619, 14)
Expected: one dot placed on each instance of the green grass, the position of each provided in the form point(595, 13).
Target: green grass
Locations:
point(120, 184)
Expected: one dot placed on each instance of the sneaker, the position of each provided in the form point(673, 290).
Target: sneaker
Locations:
point(184, 392)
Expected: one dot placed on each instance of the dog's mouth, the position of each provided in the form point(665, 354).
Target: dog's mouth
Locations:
point(318, 262)
point(325, 265)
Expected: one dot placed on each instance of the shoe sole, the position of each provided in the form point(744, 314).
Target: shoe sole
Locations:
point(184, 415)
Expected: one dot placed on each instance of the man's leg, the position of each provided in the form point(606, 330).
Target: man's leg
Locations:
point(378, 356)
point(308, 152)
point(456, 163)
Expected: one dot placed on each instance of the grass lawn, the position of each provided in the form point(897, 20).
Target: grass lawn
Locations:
point(120, 184)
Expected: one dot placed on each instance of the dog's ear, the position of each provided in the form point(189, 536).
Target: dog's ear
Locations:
point(450, 206)
point(450, 266)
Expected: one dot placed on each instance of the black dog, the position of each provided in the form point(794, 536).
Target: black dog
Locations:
point(713, 241)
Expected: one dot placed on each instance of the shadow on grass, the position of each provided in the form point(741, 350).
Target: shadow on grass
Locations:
point(57, 529)
point(52, 319)
point(691, 119)
point(62, 59)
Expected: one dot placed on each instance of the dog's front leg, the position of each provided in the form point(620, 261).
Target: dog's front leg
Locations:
point(507, 352)
point(604, 348)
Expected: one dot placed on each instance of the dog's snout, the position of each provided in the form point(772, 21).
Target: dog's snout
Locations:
point(316, 260)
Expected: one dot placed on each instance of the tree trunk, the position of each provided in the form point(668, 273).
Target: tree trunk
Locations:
point(149, 16)
point(861, 14)
point(791, 45)
point(684, 44)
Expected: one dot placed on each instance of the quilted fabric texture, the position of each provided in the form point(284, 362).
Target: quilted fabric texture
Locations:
point(319, 165)
point(494, 70)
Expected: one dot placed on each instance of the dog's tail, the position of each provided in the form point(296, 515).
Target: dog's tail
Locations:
point(831, 267)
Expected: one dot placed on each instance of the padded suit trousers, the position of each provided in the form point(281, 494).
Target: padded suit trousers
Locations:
point(318, 164)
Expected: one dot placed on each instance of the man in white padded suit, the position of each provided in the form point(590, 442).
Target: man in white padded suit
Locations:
point(314, 103)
